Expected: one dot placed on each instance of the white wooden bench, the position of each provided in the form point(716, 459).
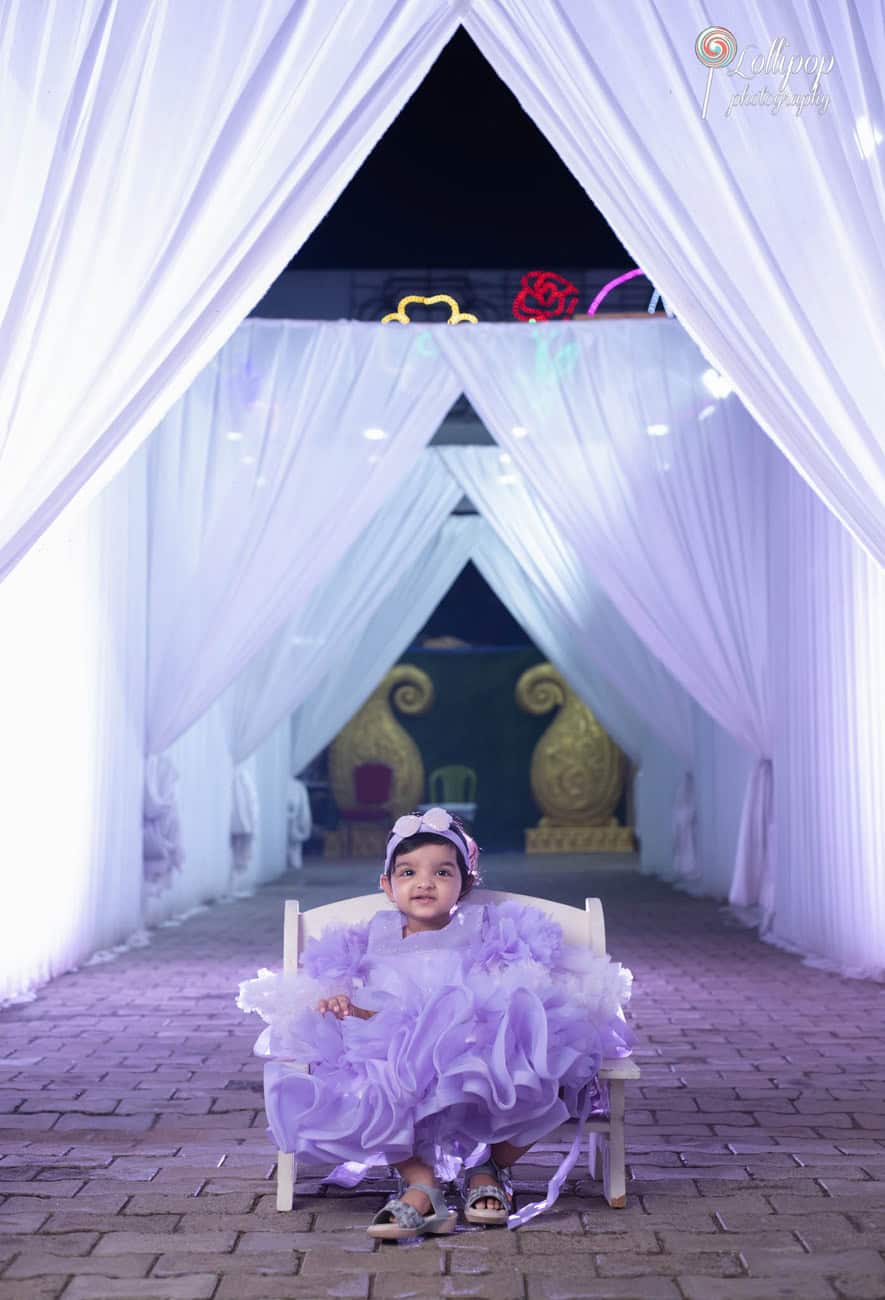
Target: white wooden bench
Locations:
point(587, 927)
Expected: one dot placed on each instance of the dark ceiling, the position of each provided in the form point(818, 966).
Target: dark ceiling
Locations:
point(463, 178)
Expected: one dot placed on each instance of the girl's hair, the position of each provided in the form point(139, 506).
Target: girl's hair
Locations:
point(468, 880)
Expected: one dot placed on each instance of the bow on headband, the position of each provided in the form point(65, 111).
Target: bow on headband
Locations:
point(436, 821)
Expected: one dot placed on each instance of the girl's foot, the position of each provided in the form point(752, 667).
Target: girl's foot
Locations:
point(485, 1202)
point(405, 1216)
point(488, 1196)
point(414, 1196)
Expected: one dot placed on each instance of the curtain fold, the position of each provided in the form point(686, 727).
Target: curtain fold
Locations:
point(602, 639)
point(751, 278)
point(827, 601)
point(294, 662)
point(357, 669)
point(72, 685)
point(582, 660)
point(190, 181)
point(656, 489)
point(261, 478)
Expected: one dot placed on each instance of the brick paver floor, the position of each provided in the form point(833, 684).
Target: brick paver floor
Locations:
point(135, 1161)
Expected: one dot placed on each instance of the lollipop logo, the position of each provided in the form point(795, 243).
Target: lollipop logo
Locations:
point(716, 47)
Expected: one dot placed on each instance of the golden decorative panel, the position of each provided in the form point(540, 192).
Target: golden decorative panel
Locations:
point(373, 735)
point(577, 771)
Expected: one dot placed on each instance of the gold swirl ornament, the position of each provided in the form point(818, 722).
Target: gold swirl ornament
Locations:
point(577, 770)
point(373, 735)
point(456, 315)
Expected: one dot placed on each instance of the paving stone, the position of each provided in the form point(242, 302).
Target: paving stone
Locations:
point(347, 1286)
point(761, 1262)
point(649, 1288)
point(40, 1262)
point(282, 1263)
point(754, 1288)
point(44, 1288)
point(153, 1243)
point(195, 1287)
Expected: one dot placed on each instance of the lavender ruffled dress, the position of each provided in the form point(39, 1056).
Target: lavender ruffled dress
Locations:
point(491, 1029)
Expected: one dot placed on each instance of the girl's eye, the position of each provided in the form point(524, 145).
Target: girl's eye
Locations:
point(444, 871)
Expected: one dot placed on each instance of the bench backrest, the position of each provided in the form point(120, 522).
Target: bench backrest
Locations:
point(580, 928)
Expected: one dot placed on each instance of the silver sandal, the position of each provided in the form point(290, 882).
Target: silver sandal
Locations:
point(403, 1220)
point(503, 1192)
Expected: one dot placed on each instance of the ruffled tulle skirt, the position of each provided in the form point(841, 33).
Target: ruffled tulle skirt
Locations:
point(439, 1074)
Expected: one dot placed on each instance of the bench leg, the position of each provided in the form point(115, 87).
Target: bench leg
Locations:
point(614, 1174)
point(287, 1169)
point(594, 1157)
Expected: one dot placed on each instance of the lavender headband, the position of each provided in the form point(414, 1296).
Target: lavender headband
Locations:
point(436, 821)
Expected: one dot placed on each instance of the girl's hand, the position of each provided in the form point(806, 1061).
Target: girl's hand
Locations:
point(341, 1007)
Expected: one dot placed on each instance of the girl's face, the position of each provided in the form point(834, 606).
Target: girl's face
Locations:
point(425, 885)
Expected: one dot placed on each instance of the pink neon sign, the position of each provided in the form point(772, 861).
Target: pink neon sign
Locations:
point(612, 284)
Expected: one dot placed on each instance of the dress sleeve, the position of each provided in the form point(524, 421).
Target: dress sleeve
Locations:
point(335, 962)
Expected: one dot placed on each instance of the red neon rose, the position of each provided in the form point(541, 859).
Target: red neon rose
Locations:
point(544, 296)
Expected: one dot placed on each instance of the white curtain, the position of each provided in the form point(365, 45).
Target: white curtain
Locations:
point(601, 637)
point(261, 478)
point(72, 680)
point(300, 821)
point(785, 295)
point(581, 659)
point(659, 491)
point(160, 168)
point(203, 801)
point(358, 668)
point(296, 660)
point(272, 780)
point(828, 638)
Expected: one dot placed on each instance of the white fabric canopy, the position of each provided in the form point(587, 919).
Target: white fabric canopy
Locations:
point(261, 478)
point(786, 298)
point(292, 664)
point(657, 489)
point(388, 632)
point(72, 681)
point(151, 197)
point(580, 660)
point(828, 640)
point(600, 639)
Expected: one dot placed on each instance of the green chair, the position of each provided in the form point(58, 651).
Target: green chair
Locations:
point(453, 786)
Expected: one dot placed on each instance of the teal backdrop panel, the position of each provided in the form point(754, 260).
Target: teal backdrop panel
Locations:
point(475, 721)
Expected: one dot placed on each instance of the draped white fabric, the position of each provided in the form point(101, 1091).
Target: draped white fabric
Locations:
point(828, 638)
point(150, 198)
point(261, 478)
point(579, 659)
point(787, 299)
point(656, 488)
point(600, 638)
point(71, 760)
point(300, 822)
point(271, 767)
point(555, 638)
point(203, 794)
point(391, 629)
point(292, 664)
